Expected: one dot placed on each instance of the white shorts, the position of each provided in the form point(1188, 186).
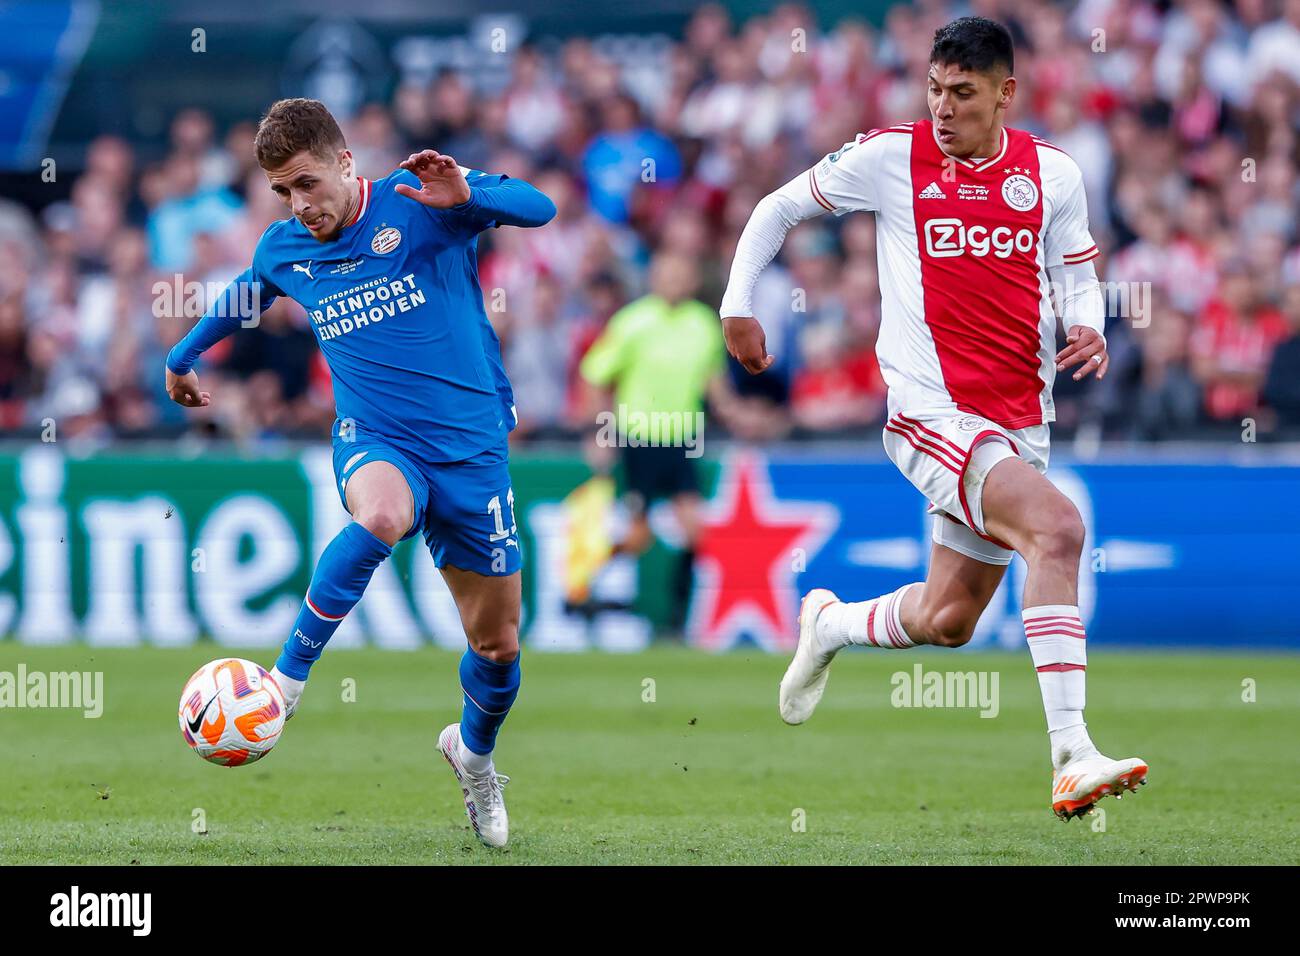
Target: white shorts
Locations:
point(937, 454)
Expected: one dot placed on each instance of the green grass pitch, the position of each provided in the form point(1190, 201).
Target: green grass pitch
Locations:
point(706, 773)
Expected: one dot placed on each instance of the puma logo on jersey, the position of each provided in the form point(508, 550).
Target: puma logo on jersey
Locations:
point(931, 191)
point(306, 270)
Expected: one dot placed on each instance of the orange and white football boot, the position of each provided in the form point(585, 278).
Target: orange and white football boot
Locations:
point(1078, 785)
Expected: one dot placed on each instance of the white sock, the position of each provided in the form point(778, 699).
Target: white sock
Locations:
point(474, 763)
point(291, 687)
point(1058, 646)
point(874, 623)
point(1069, 743)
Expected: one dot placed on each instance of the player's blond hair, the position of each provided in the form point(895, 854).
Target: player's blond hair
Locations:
point(292, 126)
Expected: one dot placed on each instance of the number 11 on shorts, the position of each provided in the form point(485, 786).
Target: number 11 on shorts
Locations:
point(494, 509)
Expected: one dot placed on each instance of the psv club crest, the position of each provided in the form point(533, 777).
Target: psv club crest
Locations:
point(385, 241)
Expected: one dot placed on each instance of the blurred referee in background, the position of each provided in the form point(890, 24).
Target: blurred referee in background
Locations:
point(659, 356)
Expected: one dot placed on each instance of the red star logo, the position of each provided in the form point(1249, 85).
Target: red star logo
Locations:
point(751, 547)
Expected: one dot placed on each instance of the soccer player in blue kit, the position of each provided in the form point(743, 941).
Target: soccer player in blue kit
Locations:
point(387, 272)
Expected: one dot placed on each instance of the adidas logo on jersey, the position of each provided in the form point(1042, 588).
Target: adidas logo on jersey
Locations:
point(931, 191)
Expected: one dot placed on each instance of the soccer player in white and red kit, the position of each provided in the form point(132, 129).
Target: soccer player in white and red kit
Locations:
point(980, 229)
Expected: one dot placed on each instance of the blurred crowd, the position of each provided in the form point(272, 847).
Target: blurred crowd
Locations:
point(1183, 117)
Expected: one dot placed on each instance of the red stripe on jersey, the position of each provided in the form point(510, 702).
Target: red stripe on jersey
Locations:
point(1043, 142)
point(364, 197)
point(1003, 143)
point(1002, 151)
point(863, 137)
point(1074, 258)
point(817, 193)
point(980, 278)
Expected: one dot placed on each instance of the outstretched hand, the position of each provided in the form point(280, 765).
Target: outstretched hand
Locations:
point(442, 185)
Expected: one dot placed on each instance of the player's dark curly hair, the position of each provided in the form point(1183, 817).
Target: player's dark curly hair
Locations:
point(291, 126)
point(975, 44)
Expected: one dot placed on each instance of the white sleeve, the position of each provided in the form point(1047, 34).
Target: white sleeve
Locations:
point(1068, 240)
point(846, 180)
point(1078, 296)
point(774, 216)
point(842, 182)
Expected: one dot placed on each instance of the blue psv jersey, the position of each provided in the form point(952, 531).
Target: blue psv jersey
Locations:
point(397, 310)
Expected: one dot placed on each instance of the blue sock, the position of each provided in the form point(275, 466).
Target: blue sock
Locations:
point(340, 578)
point(490, 688)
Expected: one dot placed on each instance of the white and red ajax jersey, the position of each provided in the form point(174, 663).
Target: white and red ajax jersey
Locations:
point(963, 249)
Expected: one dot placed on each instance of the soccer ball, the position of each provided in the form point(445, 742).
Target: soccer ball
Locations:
point(232, 712)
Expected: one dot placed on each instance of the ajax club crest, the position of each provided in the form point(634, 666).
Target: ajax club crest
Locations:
point(1020, 192)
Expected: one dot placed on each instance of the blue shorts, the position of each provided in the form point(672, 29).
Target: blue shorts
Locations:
point(466, 509)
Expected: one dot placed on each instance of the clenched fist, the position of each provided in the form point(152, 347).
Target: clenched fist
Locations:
point(184, 390)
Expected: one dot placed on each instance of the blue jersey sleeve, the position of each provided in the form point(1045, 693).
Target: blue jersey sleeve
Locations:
point(241, 302)
point(497, 200)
